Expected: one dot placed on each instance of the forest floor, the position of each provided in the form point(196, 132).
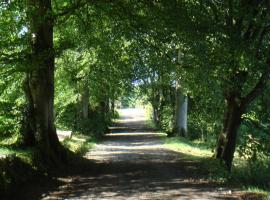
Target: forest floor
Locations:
point(133, 163)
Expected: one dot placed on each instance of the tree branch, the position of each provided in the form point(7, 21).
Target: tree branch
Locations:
point(259, 87)
point(257, 124)
point(69, 9)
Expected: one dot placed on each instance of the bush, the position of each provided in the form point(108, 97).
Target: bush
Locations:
point(10, 115)
point(166, 118)
point(67, 118)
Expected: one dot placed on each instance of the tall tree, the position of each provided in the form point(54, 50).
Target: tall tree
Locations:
point(227, 45)
point(181, 106)
point(40, 80)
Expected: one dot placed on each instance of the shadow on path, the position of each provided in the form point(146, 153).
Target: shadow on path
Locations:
point(132, 163)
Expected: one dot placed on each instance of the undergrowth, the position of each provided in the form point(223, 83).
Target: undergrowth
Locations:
point(253, 177)
point(18, 165)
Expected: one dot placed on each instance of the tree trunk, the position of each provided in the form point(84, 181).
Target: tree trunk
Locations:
point(104, 108)
point(107, 107)
point(155, 114)
point(112, 103)
point(85, 103)
point(156, 105)
point(41, 81)
point(181, 105)
point(28, 122)
point(226, 143)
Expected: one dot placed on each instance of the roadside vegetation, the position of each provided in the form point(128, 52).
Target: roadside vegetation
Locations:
point(19, 165)
point(79, 144)
point(251, 177)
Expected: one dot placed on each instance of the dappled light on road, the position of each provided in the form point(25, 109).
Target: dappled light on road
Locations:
point(132, 163)
point(127, 143)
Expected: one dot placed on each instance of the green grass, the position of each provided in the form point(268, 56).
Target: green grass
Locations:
point(265, 193)
point(191, 148)
point(20, 166)
point(8, 141)
point(79, 143)
point(8, 146)
point(198, 151)
point(252, 178)
point(24, 154)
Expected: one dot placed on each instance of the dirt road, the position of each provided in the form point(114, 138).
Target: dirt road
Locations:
point(133, 164)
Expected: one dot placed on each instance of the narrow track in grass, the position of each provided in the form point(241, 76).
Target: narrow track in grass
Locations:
point(133, 163)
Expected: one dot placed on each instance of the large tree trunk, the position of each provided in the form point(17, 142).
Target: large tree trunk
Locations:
point(181, 106)
point(226, 143)
point(41, 80)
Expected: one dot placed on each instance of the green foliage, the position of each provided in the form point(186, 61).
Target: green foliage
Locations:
point(166, 118)
point(254, 174)
point(11, 110)
point(8, 119)
point(244, 173)
point(253, 144)
point(204, 118)
point(66, 116)
point(95, 125)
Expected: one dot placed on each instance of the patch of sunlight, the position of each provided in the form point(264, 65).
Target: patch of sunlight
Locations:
point(63, 134)
point(135, 134)
point(8, 147)
point(187, 147)
point(131, 115)
point(25, 154)
point(79, 143)
point(4, 141)
point(5, 151)
point(137, 146)
point(79, 139)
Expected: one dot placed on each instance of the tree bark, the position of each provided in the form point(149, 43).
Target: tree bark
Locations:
point(85, 103)
point(181, 106)
point(28, 122)
point(104, 108)
point(155, 114)
point(41, 81)
point(112, 106)
point(226, 143)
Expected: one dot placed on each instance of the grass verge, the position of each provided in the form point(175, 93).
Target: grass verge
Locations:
point(252, 178)
point(79, 144)
point(18, 166)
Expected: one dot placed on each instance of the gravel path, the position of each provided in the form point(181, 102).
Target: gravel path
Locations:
point(133, 164)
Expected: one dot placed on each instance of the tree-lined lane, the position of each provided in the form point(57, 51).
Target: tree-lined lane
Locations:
point(134, 164)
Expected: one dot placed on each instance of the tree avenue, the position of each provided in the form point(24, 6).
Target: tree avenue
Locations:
point(202, 66)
